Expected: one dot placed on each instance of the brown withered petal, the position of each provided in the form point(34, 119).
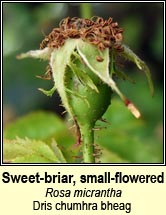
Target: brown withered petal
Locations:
point(97, 31)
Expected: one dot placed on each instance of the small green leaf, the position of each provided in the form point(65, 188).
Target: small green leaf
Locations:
point(28, 151)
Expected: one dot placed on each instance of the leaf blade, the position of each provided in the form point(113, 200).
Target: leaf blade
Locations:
point(28, 150)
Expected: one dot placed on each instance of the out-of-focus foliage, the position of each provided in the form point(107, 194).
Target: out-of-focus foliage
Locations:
point(129, 139)
point(31, 151)
point(125, 139)
point(38, 126)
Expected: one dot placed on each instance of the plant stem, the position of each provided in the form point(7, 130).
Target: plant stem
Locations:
point(86, 10)
point(87, 137)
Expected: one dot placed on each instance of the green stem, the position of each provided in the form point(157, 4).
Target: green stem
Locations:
point(86, 10)
point(87, 137)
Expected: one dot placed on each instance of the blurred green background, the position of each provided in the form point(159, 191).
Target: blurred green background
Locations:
point(126, 139)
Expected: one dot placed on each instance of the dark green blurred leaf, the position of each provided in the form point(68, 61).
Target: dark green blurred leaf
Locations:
point(30, 151)
point(37, 125)
point(43, 126)
point(107, 156)
point(126, 137)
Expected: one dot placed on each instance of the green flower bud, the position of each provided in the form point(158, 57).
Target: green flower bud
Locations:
point(81, 54)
